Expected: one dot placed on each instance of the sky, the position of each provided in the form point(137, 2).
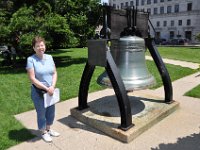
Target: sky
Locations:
point(104, 1)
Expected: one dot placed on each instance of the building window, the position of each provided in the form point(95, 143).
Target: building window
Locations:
point(137, 2)
point(114, 6)
point(172, 23)
point(189, 6)
point(162, 10)
point(164, 23)
point(169, 0)
point(178, 35)
point(148, 2)
point(188, 35)
point(176, 8)
point(180, 22)
point(188, 22)
point(158, 23)
point(142, 2)
point(122, 5)
point(149, 10)
point(169, 9)
point(171, 34)
point(131, 3)
point(155, 1)
point(155, 11)
point(157, 36)
point(161, 0)
point(126, 4)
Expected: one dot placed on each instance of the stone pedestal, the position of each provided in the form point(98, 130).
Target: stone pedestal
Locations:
point(103, 114)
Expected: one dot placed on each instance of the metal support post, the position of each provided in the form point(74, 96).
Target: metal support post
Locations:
point(162, 70)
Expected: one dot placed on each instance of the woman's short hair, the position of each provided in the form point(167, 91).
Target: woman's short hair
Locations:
point(36, 40)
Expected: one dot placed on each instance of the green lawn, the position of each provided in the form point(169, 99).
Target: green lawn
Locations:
point(191, 54)
point(175, 72)
point(195, 92)
point(15, 89)
point(15, 92)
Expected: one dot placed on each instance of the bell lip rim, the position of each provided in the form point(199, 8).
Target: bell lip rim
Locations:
point(131, 88)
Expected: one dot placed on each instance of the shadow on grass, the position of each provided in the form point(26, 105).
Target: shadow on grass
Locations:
point(60, 61)
point(65, 61)
point(191, 142)
point(59, 51)
point(21, 135)
point(195, 48)
point(10, 69)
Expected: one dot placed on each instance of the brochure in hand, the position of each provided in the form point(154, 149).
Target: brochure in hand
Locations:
point(50, 100)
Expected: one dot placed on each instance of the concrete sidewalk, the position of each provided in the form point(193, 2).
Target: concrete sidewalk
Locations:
point(179, 131)
point(178, 62)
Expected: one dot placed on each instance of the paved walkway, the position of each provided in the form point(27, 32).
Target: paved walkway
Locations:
point(178, 62)
point(179, 131)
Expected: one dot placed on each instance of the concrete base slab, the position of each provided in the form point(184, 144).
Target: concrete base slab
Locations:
point(104, 115)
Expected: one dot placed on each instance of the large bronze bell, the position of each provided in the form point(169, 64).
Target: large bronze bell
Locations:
point(129, 55)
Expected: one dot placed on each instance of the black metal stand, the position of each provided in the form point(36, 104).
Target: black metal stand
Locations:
point(84, 86)
point(118, 85)
point(99, 55)
point(162, 70)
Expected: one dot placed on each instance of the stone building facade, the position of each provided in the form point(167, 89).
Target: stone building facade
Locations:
point(171, 19)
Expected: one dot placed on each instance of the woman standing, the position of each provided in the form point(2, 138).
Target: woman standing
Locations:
point(43, 75)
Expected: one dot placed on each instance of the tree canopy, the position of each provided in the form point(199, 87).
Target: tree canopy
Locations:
point(198, 37)
point(63, 23)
